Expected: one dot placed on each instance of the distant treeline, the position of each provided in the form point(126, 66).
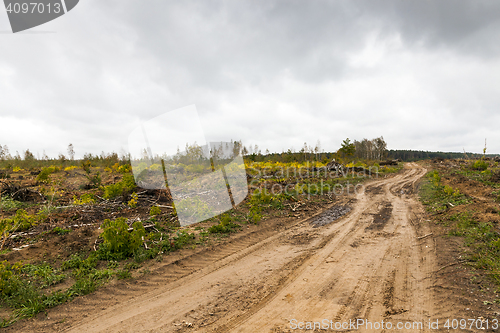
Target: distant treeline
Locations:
point(290, 156)
point(403, 155)
point(415, 155)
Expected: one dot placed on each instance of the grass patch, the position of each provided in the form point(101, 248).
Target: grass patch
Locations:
point(225, 226)
point(484, 176)
point(438, 198)
point(26, 288)
point(483, 242)
point(123, 187)
point(123, 274)
point(481, 238)
point(7, 203)
point(60, 231)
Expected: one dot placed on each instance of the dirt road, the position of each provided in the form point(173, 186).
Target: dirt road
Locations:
point(372, 264)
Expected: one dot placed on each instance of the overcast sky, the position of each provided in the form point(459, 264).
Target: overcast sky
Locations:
point(423, 74)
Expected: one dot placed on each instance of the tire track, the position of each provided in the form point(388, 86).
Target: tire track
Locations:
point(389, 257)
point(365, 264)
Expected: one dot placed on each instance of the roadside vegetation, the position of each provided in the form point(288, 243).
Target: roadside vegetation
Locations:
point(90, 223)
point(462, 196)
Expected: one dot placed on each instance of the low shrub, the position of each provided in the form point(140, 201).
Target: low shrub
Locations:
point(155, 210)
point(85, 199)
point(133, 201)
point(126, 185)
point(480, 165)
point(60, 231)
point(118, 241)
point(73, 167)
point(225, 226)
point(19, 222)
point(43, 176)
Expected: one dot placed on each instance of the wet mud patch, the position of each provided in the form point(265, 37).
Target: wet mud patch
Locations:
point(389, 297)
point(330, 215)
point(302, 238)
point(374, 189)
point(380, 219)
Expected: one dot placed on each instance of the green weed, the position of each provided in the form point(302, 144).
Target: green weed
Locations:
point(437, 197)
point(123, 274)
point(155, 210)
point(60, 231)
point(225, 226)
point(119, 243)
point(43, 176)
point(480, 165)
point(126, 185)
point(483, 241)
point(85, 199)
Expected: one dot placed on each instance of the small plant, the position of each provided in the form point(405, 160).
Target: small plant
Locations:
point(60, 231)
point(112, 264)
point(155, 210)
point(43, 176)
point(448, 190)
point(5, 229)
point(126, 185)
point(123, 274)
point(73, 167)
point(86, 164)
point(8, 277)
point(7, 203)
point(225, 226)
point(118, 240)
point(480, 165)
point(23, 221)
point(78, 262)
point(132, 265)
point(85, 199)
point(133, 202)
point(437, 197)
point(126, 168)
point(94, 181)
point(436, 178)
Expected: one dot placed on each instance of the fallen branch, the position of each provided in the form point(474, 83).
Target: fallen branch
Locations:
point(145, 227)
point(452, 264)
point(422, 237)
point(163, 206)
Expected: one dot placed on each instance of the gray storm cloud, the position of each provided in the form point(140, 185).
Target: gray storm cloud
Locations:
point(274, 73)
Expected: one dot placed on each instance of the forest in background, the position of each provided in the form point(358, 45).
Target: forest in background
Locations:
point(366, 150)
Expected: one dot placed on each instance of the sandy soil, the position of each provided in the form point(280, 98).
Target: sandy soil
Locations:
point(376, 263)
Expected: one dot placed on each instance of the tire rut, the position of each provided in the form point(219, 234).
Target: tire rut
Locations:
point(367, 264)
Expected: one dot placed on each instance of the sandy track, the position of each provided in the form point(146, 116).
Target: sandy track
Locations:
point(370, 265)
